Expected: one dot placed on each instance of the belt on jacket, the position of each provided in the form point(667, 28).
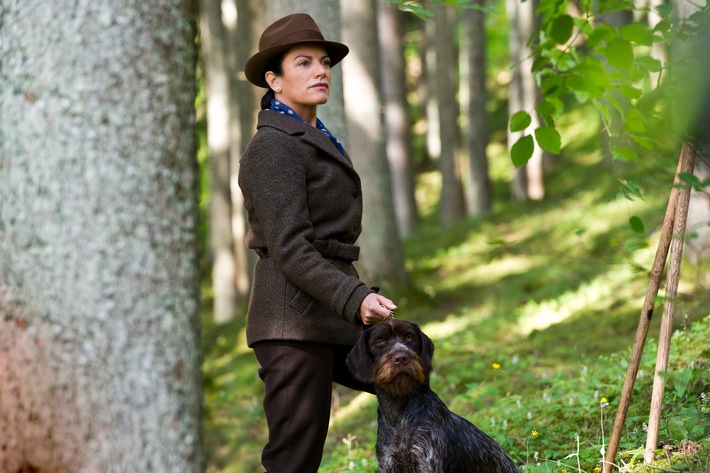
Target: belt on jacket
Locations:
point(332, 249)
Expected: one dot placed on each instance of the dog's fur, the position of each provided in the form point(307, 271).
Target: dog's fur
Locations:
point(416, 432)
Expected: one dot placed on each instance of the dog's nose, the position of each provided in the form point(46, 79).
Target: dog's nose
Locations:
point(400, 358)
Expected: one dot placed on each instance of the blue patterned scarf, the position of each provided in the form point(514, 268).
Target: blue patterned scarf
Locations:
point(284, 109)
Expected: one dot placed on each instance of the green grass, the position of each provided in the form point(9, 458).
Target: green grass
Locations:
point(533, 312)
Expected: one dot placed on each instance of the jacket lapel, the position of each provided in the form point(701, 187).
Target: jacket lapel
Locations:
point(308, 134)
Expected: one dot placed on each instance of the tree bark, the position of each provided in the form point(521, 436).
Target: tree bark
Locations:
point(216, 50)
point(397, 126)
point(381, 260)
point(474, 113)
point(451, 205)
point(99, 279)
point(528, 180)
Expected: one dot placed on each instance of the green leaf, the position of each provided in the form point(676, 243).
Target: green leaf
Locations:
point(520, 121)
point(540, 63)
point(549, 139)
point(630, 92)
point(636, 224)
point(551, 85)
point(522, 151)
point(624, 154)
point(634, 121)
point(650, 64)
point(562, 28)
point(620, 54)
point(665, 10)
point(692, 180)
point(549, 109)
point(637, 33)
point(630, 189)
point(602, 33)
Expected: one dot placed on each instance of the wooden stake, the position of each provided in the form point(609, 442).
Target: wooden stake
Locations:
point(664, 339)
point(645, 318)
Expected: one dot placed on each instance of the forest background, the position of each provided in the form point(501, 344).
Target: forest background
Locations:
point(517, 160)
point(515, 265)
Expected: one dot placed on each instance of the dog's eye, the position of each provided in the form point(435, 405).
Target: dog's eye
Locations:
point(409, 337)
point(380, 341)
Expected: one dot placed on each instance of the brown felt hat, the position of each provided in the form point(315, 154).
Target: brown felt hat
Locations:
point(282, 35)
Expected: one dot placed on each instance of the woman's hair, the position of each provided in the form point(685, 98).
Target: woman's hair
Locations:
point(275, 66)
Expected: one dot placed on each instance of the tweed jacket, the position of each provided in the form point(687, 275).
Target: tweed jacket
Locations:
point(304, 205)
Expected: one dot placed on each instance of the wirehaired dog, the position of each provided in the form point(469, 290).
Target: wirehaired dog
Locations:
point(416, 432)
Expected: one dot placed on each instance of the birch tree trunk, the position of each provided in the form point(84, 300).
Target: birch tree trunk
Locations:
point(474, 113)
point(215, 52)
point(390, 28)
point(528, 180)
point(381, 260)
point(99, 280)
point(451, 206)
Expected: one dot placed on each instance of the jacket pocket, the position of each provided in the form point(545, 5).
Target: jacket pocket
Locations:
point(301, 302)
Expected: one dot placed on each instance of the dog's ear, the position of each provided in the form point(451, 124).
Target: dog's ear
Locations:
point(427, 353)
point(358, 360)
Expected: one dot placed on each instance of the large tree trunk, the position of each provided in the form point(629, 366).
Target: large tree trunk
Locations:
point(99, 280)
point(390, 27)
point(528, 180)
point(381, 259)
point(474, 114)
point(451, 205)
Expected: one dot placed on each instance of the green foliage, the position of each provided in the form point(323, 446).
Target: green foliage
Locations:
point(609, 67)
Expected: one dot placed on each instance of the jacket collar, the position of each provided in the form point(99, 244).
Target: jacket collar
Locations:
point(308, 133)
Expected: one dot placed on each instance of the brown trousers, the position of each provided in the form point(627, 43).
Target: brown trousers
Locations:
point(298, 379)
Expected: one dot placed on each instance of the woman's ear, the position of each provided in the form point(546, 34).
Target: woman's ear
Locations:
point(273, 81)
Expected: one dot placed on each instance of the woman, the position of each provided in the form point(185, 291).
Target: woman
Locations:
point(304, 204)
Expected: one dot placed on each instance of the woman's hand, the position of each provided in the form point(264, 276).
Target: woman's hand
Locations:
point(376, 308)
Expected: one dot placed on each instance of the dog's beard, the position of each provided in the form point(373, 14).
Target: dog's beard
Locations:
point(399, 380)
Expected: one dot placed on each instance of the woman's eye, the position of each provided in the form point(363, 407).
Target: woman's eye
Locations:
point(326, 63)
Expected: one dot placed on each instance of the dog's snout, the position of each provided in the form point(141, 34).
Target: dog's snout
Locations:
point(401, 358)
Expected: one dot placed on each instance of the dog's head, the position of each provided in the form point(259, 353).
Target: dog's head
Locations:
point(394, 355)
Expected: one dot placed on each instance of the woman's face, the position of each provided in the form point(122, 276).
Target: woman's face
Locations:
point(305, 82)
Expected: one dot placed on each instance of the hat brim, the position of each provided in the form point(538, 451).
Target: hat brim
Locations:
point(254, 69)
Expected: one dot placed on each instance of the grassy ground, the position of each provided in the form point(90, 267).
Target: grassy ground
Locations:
point(533, 313)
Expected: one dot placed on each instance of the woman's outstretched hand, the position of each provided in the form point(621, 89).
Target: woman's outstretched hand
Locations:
point(376, 308)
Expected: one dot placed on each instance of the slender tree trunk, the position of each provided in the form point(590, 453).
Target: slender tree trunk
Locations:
point(475, 115)
point(215, 53)
point(381, 259)
point(99, 280)
point(451, 206)
point(528, 180)
point(244, 99)
point(399, 147)
point(433, 136)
